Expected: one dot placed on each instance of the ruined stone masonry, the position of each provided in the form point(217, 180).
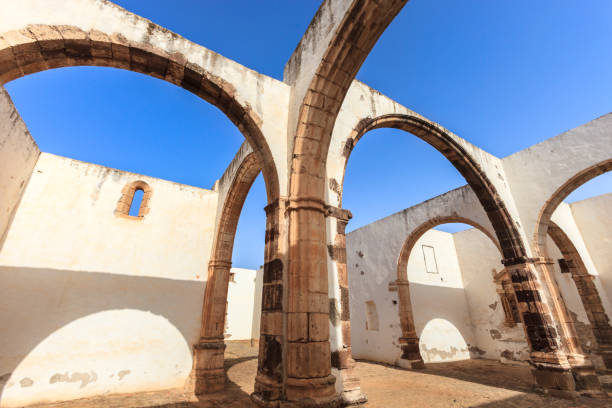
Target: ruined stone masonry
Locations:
point(66, 229)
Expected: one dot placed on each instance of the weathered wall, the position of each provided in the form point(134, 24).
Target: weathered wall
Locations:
point(147, 47)
point(479, 260)
point(440, 310)
point(18, 155)
point(550, 164)
point(564, 218)
point(243, 311)
point(303, 63)
point(571, 298)
point(95, 303)
point(593, 219)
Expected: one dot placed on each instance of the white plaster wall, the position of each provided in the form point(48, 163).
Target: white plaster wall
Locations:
point(440, 310)
point(18, 155)
point(566, 284)
point(592, 217)
point(439, 305)
point(242, 313)
point(257, 304)
point(479, 260)
point(550, 164)
point(92, 303)
point(564, 218)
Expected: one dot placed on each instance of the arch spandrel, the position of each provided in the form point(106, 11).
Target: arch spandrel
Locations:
point(554, 168)
point(459, 205)
point(39, 35)
point(365, 109)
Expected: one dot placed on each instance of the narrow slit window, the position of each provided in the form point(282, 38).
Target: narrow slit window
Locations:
point(431, 265)
point(136, 203)
point(371, 316)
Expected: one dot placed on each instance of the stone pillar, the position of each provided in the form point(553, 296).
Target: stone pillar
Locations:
point(208, 374)
point(339, 312)
point(309, 381)
point(411, 355)
point(269, 389)
point(555, 372)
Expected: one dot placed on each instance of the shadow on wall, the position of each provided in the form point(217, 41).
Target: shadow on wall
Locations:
point(52, 319)
point(442, 322)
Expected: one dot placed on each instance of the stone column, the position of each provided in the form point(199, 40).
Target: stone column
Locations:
point(269, 388)
point(208, 374)
point(553, 372)
point(339, 312)
point(308, 367)
point(411, 355)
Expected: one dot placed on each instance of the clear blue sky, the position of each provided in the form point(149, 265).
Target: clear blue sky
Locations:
point(502, 74)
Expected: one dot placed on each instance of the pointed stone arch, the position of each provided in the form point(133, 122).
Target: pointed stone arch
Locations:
point(39, 47)
point(589, 296)
point(411, 356)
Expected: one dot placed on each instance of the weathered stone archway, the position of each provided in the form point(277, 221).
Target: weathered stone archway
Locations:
point(411, 356)
point(544, 217)
point(600, 328)
point(223, 83)
point(40, 47)
point(449, 146)
point(543, 338)
point(208, 374)
point(318, 95)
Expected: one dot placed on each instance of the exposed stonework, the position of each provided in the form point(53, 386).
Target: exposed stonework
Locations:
point(300, 134)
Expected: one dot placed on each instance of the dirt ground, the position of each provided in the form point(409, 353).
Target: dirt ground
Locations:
point(472, 383)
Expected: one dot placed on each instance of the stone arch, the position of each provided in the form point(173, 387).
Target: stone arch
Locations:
point(411, 355)
point(508, 238)
point(40, 47)
point(402, 262)
point(544, 217)
point(589, 296)
point(127, 196)
point(319, 90)
point(208, 373)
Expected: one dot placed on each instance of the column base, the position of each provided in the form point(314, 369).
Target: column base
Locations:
point(565, 376)
point(347, 382)
point(208, 374)
point(351, 394)
point(411, 353)
point(410, 364)
point(267, 391)
point(317, 392)
point(301, 393)
point(552, 375)
point(585, 376)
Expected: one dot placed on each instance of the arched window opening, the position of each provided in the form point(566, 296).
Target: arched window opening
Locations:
point(134, 201)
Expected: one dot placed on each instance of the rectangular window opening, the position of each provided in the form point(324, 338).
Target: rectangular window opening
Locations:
point(371, 316)
point(431, 264)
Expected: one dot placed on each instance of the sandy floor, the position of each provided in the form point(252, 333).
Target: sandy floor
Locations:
point(473, 383)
